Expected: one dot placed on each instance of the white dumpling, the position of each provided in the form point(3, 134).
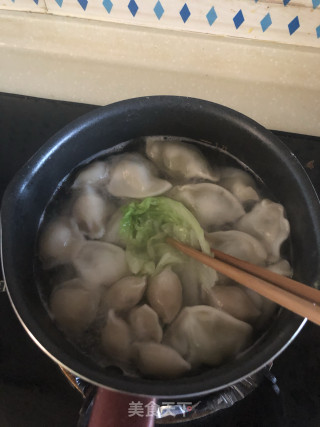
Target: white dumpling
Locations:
point(179, 160)
point(239, 183)
point(212, 205)
point(112, 229)
point(159, 360)
point(73, 306)
point(266, 307)
point(164, 294)
point(90, 212)
point(116, 338)
point(195, 278)
point(263, 304)
point(145, 324)
point(267, 223)
point(59, 241)
point(125, 293)
point(93, 174)
point(238, 244)
point(281, 267)
point(203, 334)
point(100, 263)
point(134, 176)
point(233, 300)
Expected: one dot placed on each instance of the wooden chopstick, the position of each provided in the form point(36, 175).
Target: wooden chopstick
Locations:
point(283, 282)
point(286, 299)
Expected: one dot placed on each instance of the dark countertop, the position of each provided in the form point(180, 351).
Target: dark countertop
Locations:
point(33, 391)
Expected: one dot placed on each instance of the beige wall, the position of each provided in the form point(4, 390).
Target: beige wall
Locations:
point(96, 62)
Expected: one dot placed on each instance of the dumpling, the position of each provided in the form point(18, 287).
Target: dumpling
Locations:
point(124, 294)
point(95, 173)
point(281, 267)
point(239, 183)
point(145, 324)
point(164, 294)
point(179, 160)
point(90, 212)
point(195, 278)
point(116, 338)
point(134, 176)
point(101, 263)
point(159, 360)
point(59, 241)
point(212, 205)
point(233, 300)
point(266, 307)
point(112, 229)
point(238, 244)
point(73, 306)
point(267, 223)
point(203, 334)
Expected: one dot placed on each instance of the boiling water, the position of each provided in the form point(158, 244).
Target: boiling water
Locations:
point(48, 279)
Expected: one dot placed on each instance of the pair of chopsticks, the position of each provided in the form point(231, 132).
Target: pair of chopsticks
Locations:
point(288, 293)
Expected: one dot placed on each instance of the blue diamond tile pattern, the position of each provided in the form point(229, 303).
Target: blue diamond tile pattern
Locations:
point(266, 22)
point(83, 4)
point(238, 19)
point(107, 4)
point(293, 25)
point(315, 3)
point(211, 16)
point(133, 7)
point(185, 13)
point(158, 10)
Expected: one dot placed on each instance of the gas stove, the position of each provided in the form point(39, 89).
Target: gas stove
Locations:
point(33, 390)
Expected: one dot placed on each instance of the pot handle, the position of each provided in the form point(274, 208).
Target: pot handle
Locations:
point(2, 282)
point(115, 409)
point(2, 286)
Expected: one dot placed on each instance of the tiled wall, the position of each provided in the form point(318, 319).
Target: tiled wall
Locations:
point(285, 21)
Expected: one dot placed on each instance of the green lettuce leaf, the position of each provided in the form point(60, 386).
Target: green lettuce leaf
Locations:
point(146, 224)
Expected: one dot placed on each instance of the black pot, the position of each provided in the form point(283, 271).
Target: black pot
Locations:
point(29, 192)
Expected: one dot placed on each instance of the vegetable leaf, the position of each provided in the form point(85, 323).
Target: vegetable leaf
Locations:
point(146, 224)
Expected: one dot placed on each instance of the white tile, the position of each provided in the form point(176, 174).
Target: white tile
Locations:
point(24, 5)
point(253, 12)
